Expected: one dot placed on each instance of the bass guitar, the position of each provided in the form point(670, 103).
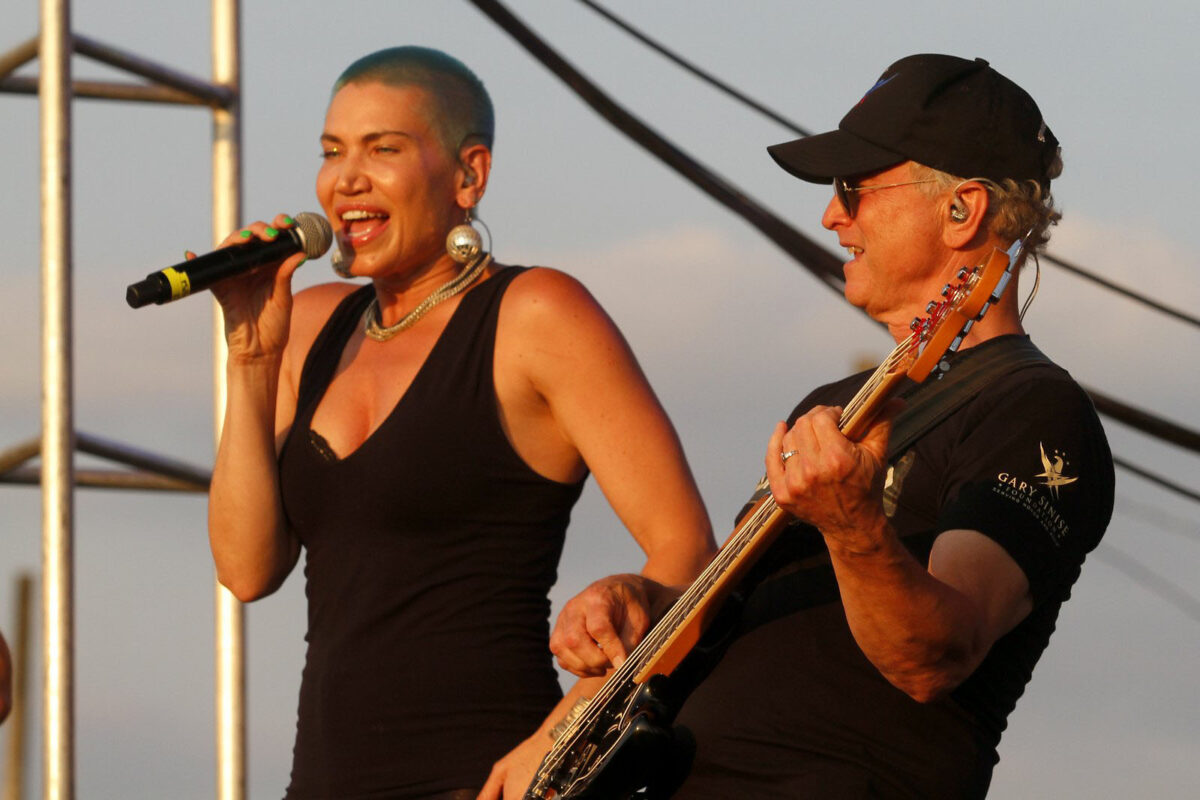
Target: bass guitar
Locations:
point(615, 746)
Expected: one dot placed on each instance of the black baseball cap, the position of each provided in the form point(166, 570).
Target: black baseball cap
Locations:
point(954, 115)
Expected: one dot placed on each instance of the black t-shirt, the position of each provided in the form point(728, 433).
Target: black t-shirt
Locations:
point(794, 709)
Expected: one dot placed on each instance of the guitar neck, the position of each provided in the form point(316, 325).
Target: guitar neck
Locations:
point(669, 642)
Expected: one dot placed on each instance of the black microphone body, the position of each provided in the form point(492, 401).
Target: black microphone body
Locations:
point(311, 236)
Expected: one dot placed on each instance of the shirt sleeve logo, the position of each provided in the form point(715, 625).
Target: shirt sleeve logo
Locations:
point(1053, 471)
point(1028, 495)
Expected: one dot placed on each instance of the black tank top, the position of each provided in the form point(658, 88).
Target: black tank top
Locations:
point(430, 551)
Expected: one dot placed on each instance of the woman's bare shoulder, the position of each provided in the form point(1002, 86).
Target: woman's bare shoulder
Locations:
point(552, 313)
point(549, 295)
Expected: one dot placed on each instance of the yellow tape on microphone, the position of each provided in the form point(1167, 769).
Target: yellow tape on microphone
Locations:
point(181, 285)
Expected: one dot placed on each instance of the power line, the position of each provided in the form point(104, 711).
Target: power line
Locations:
point(1158, 480)
point(695, 70)
point(1129, 293)
point(1144, 421)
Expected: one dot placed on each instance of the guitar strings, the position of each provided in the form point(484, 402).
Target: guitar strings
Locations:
point(877, 377)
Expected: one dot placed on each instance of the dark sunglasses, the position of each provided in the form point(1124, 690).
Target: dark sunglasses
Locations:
point(847, 194)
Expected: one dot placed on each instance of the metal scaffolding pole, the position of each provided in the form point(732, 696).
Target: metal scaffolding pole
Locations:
point(227, 215)
point(58, 443)
point(54, 47)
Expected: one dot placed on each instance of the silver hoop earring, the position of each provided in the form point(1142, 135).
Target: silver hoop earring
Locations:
point(464, 243)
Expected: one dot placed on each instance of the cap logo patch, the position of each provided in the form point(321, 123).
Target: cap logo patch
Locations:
point(877, 85)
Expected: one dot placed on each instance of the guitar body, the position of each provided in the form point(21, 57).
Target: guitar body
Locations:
point(632, 750)
point(628, 754)
point(629, 764)
point(636, 765)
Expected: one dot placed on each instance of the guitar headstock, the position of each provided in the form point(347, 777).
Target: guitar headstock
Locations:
point(933, 336)
point(948, 320)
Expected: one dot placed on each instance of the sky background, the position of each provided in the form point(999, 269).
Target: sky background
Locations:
point(730, 331)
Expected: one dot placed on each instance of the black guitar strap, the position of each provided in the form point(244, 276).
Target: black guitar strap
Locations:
point(935, 399)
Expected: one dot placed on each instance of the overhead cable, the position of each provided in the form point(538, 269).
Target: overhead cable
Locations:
point(1146, 422)
point(1129, 293)
point(1158, 480)
point(695, 70)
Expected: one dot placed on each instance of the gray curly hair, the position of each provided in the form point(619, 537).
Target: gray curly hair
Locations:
point(1015, 207)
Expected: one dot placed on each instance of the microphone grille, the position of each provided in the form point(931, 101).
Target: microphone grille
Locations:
point(315, 233)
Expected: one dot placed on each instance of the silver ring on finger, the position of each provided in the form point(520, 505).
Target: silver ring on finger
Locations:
point(786, 455)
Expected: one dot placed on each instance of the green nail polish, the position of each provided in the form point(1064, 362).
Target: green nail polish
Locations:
point(245, 234)
point(302, 261)
point(271, 232)
point(288, 221)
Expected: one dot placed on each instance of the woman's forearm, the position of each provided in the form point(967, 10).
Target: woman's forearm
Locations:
point(251, 545)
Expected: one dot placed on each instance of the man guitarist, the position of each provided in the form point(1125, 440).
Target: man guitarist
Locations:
point(888, 632)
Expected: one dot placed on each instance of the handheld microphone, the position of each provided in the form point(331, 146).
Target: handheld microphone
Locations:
point(312, 236)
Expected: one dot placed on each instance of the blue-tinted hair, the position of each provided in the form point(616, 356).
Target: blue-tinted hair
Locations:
point(461, 108)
